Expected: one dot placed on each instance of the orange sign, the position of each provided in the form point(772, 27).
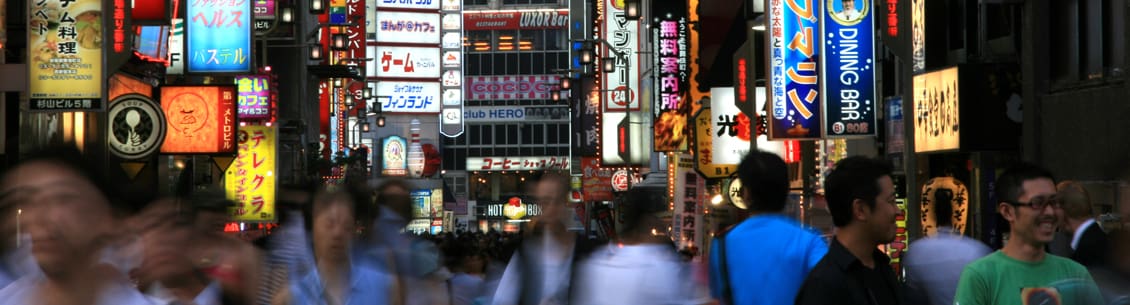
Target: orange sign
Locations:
point(201, 119)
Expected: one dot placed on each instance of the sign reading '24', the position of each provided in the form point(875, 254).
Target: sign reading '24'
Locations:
point(416, 4)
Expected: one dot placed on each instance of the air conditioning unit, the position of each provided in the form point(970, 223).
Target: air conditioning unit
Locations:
point(336, 71)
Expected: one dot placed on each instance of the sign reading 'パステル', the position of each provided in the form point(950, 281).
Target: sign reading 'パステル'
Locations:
point(219, 36)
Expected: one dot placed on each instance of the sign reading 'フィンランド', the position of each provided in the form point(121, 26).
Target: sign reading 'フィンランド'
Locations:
point(219, 36)
point(65, 70)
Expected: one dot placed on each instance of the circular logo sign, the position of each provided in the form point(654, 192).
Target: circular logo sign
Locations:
point(514, 208)
point(734, 192)
point(137, 126)
point(848, 12)
point(620, 180)
point(838, 127)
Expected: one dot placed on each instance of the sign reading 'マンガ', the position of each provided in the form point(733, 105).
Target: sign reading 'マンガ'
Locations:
point(219, 36)
point(65, 50)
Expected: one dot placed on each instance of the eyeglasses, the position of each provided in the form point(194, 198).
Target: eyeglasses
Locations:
point(1038, 203)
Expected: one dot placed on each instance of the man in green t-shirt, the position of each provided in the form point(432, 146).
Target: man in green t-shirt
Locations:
point(1022, 273)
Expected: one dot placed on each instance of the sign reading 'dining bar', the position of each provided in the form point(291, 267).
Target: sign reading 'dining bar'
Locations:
point(517, 163)
point(849, 69)
point(413, 4)
point(409, 97)
point(401, 27)
point(409, 62)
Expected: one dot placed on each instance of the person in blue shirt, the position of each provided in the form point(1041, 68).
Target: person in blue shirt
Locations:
point(764, 259)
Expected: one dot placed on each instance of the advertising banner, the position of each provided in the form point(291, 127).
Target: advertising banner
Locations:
point(596, 181)
point(176, 49)
point(409, 97)
point(936, 111)
point(407, 62)
point(254, 97)
point(517, 163)
point(65, 71)
point(896, 130)
point(793, 49)
point(511, 87)
point(848, 69)
point(403, 27)
point(673, 104)
point(421, 203)
point(731, 129)
point(516, 20)
point(410, 4)
point(918, 35)
point(250, 180)
point(201, 119)
point(394, 157)
point(219, 36)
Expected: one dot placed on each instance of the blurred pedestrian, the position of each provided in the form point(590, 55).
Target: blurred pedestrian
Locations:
point(861, 199)
point(540, 271)
point(73, 210)
point(768, 250)
point(1023, 272)
point(934, 266)
point(1088, 239)
point(232, 262)
point(641, 267)
point(167, 273)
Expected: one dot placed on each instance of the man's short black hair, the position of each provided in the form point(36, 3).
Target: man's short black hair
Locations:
point(639, 203)
point(766, 177)
point(1010, 184)
point(853, 178)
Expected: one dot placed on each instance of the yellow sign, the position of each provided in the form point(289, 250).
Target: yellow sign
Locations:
point(936, 113)
point(704, 142)
point(250, 180)
point(65, 48)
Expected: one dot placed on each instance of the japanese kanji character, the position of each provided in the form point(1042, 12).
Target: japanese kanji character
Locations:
point(727, 125)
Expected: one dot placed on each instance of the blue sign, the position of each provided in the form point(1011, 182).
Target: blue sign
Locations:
point(794, 89)
point(849, 69)
point(219, 36)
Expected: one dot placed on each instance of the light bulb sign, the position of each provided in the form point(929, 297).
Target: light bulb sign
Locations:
point(849, 69)
point(219, 36)
point(794, 46)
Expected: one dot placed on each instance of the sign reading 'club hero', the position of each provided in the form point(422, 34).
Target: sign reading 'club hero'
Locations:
point(410, 62)
point(409, 97)
point(401, 27)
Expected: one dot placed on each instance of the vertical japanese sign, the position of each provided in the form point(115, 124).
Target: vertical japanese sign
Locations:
point(848, 68)
point(250, 180)
point(730, 128)
point(451, 111)
point(219, 36)
point(918, 35)
point(673, 104)
point(900, 245)
point(65, 50)
point(620, 128)
point(338, 11)
point(793, 48)
point(686, 214)
point(254, 97)
point(201, 119)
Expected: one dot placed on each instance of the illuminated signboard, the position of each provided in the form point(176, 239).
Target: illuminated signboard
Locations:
point(421, 203)
point(511, 87)
point(451, 124)
point(402, 27)
point(794, 45)
point(673, 103)
point(219, 36)
point(452, 59)
point(731, 130)
point(516, 113)
point(254, 97)
point(516, 20)
point(250, 180)
point(623, 34)
point(409, 62)
point(394, 157)
point(848, 69)
point(201, 119)
point(176, 49)
point(65, 71)
point(409, 97)
point(621, 126)
point(936, 101)
point(517, 163)
point(412, 4)
point(918, 35)
point(137, 127)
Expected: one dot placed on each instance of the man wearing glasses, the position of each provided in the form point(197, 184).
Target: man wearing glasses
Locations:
point(1022, 272)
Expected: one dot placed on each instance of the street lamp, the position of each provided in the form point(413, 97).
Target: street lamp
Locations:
point(632, 9)
point(367, 93)
point(340, 42)
point(315, 52)
point(566, 82)
point(317, 7)
point(287, 14)
point(609, 64)
point(381, 121)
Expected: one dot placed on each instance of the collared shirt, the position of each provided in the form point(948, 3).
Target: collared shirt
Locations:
point(1079, 233)
point(841, 278)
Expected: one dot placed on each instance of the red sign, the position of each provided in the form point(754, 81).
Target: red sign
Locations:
point(201, 119)
point(525, 87)
point(742, 89)
point(620, 180)
point(150, 12)
point(119, 19)
point(516, 20)
point(892, 18)
point(517, 163)
point(596, 182)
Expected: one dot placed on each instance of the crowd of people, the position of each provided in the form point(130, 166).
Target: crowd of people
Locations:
point(72, 234)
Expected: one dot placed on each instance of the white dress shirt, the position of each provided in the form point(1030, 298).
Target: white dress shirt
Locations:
point(1079, 233)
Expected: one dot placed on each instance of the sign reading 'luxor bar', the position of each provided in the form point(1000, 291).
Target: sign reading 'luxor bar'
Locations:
point(516, 20)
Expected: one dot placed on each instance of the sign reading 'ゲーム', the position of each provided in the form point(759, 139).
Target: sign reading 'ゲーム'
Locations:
point(65, 51)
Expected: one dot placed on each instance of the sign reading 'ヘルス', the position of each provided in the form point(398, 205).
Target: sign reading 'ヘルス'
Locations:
point(849, 69)
point(219, 36)
point(137, 127)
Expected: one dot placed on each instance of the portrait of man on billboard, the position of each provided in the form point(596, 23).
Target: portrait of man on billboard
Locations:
point(848, 11)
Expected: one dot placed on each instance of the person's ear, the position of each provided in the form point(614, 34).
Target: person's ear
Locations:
point(1007, 211)
point(860, 210)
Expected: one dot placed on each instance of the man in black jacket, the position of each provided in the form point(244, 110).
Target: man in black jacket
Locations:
point(861, 198)
point(1089, 241)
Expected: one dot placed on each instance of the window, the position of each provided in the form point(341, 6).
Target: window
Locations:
point(1086, 40)
point(539, 134)
point(474, 131)
point(563, 133)
point(500, 135)
point(487, 135)
point(551, 134)
point(512, 134)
